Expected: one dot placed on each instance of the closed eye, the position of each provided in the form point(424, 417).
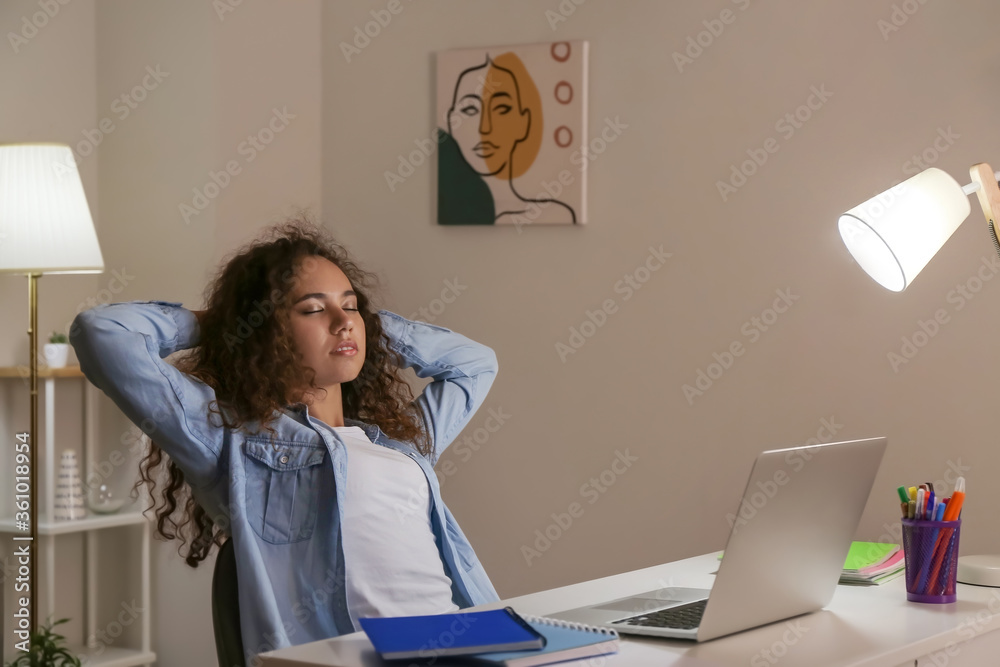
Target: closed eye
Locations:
point(313, 312)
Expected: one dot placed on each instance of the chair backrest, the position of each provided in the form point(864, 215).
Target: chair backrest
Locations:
point(226, 609)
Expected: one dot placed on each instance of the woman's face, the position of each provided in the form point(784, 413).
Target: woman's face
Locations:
point(324, 317)
point(486, 119)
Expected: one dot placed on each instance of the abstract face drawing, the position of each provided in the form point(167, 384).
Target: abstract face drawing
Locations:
point(495, 133)
point(487, 119)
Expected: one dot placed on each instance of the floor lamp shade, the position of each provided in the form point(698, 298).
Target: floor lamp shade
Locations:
point(894, 234)
point(45, 223)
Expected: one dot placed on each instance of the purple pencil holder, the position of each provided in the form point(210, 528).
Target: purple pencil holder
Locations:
point(931, 552)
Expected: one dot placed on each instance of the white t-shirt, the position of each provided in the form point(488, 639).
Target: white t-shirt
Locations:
point(391, 560)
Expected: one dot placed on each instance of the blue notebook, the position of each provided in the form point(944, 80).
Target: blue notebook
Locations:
point(565, 641)
point(458, 633)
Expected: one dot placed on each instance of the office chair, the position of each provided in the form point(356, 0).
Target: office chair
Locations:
point(226, 608)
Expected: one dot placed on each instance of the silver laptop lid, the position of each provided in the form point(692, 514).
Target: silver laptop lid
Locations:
point(791, 534)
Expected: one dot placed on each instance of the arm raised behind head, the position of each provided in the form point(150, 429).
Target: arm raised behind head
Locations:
point(462, 370)
point(121, 347)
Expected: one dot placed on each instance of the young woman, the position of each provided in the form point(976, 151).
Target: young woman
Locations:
point(288, 427)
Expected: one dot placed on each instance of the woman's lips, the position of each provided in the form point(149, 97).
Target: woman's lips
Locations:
point(484, 149)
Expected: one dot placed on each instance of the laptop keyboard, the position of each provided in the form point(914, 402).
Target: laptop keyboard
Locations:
point(683, 617)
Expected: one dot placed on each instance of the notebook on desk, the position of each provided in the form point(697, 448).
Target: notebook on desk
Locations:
point(564, 641)
point(790, 536)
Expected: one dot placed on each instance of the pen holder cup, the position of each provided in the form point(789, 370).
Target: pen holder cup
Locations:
point(931, 552)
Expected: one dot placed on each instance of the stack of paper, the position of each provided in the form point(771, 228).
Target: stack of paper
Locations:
point(871, 563)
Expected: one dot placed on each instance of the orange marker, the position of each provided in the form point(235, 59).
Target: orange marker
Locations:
point(955, 506)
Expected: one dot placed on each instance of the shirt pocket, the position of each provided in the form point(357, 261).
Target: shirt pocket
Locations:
point(282, 481)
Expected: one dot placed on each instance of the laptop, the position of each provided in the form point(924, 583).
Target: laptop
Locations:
point(789, 540)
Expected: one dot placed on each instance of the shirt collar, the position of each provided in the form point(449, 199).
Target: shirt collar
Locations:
point(370, 430)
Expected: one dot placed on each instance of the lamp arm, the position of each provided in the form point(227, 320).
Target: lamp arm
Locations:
point(985, 181)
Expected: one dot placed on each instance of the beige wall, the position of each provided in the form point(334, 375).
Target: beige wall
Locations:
point(825, 358)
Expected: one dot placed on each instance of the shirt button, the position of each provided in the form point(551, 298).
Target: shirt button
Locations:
point(284, 459)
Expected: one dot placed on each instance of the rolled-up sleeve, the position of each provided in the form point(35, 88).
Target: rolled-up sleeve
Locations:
point(462, 372)
point(121, 347)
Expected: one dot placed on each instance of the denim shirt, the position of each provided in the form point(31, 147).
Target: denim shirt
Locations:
point(282, 503)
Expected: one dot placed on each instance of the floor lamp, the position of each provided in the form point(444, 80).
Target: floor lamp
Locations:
point(895, 234)
point(45, 227)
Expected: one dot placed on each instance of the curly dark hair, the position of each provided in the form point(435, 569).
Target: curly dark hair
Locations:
point(256, 376)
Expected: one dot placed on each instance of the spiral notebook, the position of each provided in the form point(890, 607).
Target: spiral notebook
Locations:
point(565, 640)
point(458, 633)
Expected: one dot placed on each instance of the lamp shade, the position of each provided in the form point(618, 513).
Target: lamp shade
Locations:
point(45, 223)
point(894, 234)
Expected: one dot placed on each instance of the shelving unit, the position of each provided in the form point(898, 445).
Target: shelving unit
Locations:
point(49, 529)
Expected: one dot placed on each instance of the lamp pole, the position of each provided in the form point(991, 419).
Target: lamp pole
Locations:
point(33, 493)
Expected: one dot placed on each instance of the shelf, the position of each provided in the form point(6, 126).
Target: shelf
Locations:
point(22, 371)
point(112, 656)
point(90, 522)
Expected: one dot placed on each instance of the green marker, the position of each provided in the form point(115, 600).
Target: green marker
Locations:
point(903, 495)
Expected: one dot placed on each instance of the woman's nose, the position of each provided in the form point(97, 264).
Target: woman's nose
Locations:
point(340, 321)
point(485, 122)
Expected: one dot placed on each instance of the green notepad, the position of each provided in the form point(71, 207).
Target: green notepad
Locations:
point(866, 554)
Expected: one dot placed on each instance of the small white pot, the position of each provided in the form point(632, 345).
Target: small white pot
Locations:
point(56, 354)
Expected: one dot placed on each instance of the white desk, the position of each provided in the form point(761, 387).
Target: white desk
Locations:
point(870, 626)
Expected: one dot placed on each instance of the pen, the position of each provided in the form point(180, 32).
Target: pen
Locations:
point(919, 513)
point(944, 542)
point(903, 496)
point(913, 493)
point(911, 508)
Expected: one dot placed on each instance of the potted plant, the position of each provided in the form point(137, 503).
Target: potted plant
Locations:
point(46, 650)
point(57, 350)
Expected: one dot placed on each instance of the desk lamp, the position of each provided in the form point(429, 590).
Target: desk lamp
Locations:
point(895, 234)
point(45, 227)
